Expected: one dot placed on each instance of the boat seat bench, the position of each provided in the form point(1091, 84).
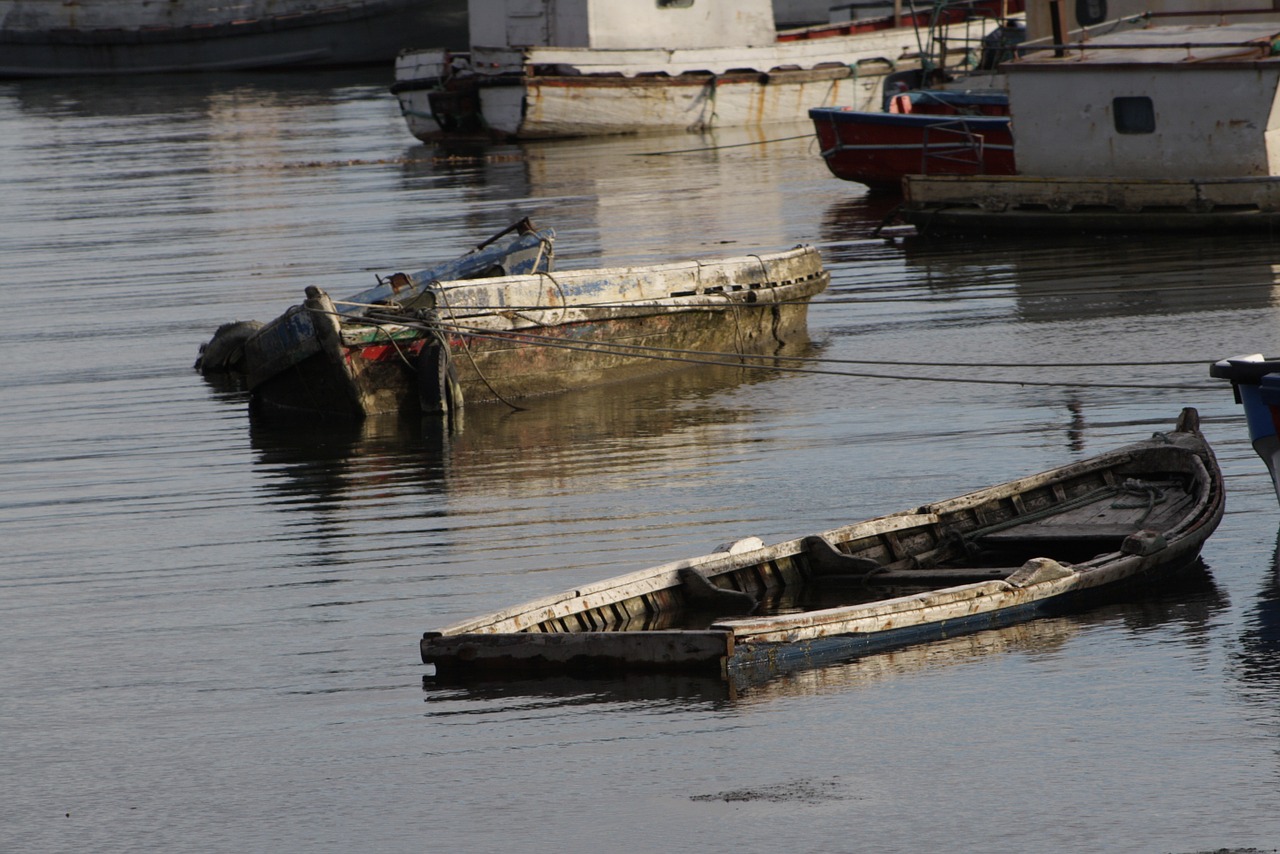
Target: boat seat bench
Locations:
point(1031, 537)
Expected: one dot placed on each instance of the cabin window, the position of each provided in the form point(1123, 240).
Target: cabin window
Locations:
point(674, 4)
point(1134, 115)
point(1090, 12)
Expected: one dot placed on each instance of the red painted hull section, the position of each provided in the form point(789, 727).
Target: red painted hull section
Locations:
point(877, 149)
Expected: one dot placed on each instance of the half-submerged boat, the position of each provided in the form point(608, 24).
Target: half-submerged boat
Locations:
point(430, 343)
point(1255, 380)
point(51, 38)
point(1002, 555)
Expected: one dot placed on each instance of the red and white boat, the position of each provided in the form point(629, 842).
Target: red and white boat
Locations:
point(924, 132)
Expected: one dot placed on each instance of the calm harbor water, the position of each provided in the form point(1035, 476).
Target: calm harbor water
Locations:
point(209, 624)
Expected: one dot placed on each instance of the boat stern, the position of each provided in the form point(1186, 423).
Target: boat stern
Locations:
point(1255, 380)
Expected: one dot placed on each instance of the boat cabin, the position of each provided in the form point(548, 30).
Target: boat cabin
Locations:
point(610, 25)
point(1084, 14)
point(1163, 102)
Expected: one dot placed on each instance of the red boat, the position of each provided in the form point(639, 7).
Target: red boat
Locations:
point(925, 132)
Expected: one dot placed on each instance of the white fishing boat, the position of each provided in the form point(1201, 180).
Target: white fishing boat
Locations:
point(562, 69)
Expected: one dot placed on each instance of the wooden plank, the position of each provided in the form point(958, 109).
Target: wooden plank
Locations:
point(895, 614)
point(997, 193)
point(581, 652)
point(937, 576)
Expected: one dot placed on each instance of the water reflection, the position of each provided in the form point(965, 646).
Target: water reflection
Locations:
point(647, 198)
point(1110, 276)
point(170, 97)
point(1258, 662)
point(862, 215)
point(503, 451)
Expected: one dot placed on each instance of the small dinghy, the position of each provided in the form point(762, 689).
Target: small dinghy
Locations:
point(1008, 553)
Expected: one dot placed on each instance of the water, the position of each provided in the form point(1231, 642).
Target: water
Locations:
point(210, 624)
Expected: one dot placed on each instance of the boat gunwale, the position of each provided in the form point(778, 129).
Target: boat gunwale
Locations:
point(524, 618)
point(1098, 570)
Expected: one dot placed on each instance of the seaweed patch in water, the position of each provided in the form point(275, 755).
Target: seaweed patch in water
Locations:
point(805, 791)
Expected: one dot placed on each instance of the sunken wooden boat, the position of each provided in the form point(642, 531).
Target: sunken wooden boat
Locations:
point(503, 338)
point(1042, 544)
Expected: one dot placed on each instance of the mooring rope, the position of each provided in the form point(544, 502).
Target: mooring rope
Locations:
point(771, 362)
point(720, 147)
point(1151, 494)
point(734, 360)
point(470, 356)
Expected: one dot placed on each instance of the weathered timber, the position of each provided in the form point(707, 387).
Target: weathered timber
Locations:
point(580, 653)
point(1032, 203)
point(949, 566)
point(504, 338)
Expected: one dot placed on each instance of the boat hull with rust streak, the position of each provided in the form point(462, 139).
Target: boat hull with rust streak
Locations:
point(1051, 542)
point(568, 69)
point(507, 338)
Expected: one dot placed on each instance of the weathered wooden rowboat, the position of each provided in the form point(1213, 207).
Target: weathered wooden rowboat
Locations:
point(1008, 553)
point(509, 337)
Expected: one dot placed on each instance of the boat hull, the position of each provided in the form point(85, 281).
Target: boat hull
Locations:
point(878, 148)
point(574, 329)
point(547, 107)
point(279, 355)
point(1098, 528)
point(1255, 381)
point(79, 39)
point(998, 204)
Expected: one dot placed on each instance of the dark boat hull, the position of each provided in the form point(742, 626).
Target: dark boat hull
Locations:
point(189, 39)
point(877, 149)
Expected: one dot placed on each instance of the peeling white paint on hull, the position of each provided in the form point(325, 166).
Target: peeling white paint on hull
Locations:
point(571, 107)
point(548, 107)
point(511, 337)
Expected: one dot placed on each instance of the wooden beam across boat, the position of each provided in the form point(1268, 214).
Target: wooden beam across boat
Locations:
point(581, 653)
